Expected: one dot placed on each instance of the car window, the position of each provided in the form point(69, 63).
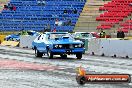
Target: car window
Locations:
point(85, 35)
point(77, 35)
point(30, 33)
point(53, 36)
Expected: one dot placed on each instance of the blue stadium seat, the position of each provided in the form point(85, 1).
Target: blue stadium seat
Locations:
point(30, 15)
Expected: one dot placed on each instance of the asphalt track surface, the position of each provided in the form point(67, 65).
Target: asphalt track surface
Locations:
point(19, 68)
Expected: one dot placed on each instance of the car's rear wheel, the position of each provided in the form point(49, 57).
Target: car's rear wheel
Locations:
point(79, 55)
point(38, 54)
point(49, 54)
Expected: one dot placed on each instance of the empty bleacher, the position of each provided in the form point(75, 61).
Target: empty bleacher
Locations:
point(116, 12)
point(37, 14)
point(87, 20)
point(125, 26)
point(108, 15)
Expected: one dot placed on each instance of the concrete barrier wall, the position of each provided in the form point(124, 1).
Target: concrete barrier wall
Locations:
point(26, 41)
point(111, 47)
point(94, 46)
point(85, 41)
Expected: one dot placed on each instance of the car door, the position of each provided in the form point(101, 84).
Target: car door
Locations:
point(39, 43)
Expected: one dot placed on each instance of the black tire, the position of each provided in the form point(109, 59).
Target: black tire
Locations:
point(79, 55)
point(81, 80)
point(103, 54)
point(114, 55)
point(127, 56)
point(93, 53)
point(38, 54)
point(49, 54)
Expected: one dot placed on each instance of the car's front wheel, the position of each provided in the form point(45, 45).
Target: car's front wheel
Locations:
point(49, 54)
point(79, 55)
point(38, 54)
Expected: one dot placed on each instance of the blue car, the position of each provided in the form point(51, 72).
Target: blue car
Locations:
point(16, 37)
point(13, 37)
point(57, 43)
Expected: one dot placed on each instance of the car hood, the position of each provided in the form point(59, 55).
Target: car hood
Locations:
point(66, 41)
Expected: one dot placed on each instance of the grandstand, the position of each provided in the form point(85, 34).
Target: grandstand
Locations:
point(39, 15)
point(110, 15)
point(66, 15)
point(116, 13)
point(87, 20)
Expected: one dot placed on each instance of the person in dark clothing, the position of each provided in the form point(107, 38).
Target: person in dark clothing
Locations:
point(75, 11)
point(120, 34)
point(10, 6)
point(65, 11)
point(47, 28)
point(69, 22)
point(102, 34)
point(5, 7)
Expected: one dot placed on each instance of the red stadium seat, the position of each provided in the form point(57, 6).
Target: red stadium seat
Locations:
point(115, 12)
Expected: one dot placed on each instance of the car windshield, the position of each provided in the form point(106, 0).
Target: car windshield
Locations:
point(60, 35)
point(30, 33)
